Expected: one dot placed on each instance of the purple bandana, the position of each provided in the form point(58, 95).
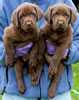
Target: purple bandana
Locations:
point(50, 49)
point(23, 50)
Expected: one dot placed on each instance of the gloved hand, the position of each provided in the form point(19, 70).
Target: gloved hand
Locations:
point(51, 49)
point(22, 51)
point(25, 50)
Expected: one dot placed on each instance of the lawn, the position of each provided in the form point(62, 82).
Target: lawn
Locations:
point(76, 82)
point(0, 97)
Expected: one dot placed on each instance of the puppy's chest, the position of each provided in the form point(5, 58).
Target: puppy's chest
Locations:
point(25, 39)
point(55, 38)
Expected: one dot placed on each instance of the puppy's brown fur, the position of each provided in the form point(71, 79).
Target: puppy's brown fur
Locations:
point(22, 31)
point(58, 32)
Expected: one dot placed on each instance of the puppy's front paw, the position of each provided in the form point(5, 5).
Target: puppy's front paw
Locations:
point(35, 80)
point(9, 62)
point(51, 92)
point(51, 71)
point(33, 62)
point(21, 88)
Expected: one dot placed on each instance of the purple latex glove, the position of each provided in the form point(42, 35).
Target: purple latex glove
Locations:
point(23, 50)
point(50, 49)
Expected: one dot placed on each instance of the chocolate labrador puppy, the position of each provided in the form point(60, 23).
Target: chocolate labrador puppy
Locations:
point(58, 32)
point(22, 31)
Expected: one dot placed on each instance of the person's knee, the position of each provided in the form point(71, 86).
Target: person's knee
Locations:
point(7, 96)
point(63, 96)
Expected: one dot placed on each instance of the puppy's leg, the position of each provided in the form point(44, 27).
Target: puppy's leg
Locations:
point(33, 55)
point(26, 59)
point(41, 49)
point(37, 74)
point(18, 69)
point(52, 89)
point(32, 73)
point(9, 51)
point(48, 58)
point(33, 61)
point(39, 66)
point(60, 50)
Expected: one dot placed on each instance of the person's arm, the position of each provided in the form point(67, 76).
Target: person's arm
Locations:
point(3, 24)
point(73, 54)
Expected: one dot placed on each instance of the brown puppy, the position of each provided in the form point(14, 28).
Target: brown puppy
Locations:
point(22, 31)
point(58, 32)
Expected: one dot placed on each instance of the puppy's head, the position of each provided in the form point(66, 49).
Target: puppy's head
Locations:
point(60, 16)
point(26, 16)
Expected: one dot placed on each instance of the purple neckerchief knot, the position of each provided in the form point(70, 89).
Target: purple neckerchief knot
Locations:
point(22, 51)
point(50, 49)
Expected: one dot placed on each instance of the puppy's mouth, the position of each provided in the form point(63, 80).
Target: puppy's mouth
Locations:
point(60, 29)
point(28, 30)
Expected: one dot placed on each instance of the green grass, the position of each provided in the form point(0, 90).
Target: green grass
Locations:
point(0, 97)
point(76, 81)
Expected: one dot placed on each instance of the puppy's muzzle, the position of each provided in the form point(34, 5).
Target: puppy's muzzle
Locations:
point(28, 24)
point(60, 23)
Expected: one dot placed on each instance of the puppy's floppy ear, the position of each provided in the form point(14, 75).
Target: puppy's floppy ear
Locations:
point(47, 15)
point(15, 19)
point(39, 12)
point(72, 15)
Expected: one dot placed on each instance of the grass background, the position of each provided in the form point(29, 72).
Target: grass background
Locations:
point(0, 97)
point(76, 82)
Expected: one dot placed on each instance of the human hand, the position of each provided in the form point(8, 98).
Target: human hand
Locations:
point(22, 51)
point(50, 49)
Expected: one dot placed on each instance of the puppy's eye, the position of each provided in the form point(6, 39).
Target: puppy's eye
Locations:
point(65, 14)
point(56, 13)
point(33, 13)
point(22, 15)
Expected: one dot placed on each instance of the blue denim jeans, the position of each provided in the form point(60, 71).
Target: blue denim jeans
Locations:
point(63, 96)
